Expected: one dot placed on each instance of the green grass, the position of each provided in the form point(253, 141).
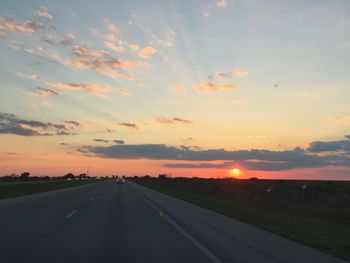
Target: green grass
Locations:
point(325, 233)
point(13, 190)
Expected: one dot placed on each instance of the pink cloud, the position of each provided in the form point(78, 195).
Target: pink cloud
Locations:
point(206, 85)
point(94, 89)
point(147, 52)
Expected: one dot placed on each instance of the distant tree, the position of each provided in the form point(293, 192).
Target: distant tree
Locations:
point(69, 176)
point(24, 176)
point(146, 176)
point(82, 176)
point(162, 176)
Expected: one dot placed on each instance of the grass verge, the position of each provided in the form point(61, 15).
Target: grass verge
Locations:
point(13, 190)
point(331, 235)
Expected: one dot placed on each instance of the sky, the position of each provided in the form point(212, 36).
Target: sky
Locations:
point(187, 88)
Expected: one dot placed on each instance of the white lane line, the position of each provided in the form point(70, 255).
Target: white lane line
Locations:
point(195, 242)
point(71, 214)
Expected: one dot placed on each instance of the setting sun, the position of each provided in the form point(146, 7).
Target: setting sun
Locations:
point(235, 172)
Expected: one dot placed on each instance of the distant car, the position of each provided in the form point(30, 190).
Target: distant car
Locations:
point(120, 180)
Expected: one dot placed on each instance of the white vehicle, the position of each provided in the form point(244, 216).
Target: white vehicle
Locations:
point(120, 180)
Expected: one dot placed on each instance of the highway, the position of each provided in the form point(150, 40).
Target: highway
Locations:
point(110, 222)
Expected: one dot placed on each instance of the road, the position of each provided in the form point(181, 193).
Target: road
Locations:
point(109, 222)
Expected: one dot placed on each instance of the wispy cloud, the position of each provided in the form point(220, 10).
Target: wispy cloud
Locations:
point(179, 89)
point(175, 120)
point(147, 52)
point(114, 47)
point(43, 92)
point(93, 89)
point(101, 140)
point(119, 141)
point(124, 92)
point(10, 25)
point(207, 85)
point(131, 126)
point(27, 75)
point(43, 12)
point(222, 3)
point(238, 72)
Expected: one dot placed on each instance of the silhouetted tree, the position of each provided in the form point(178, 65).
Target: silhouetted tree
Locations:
point(24, 176)
point(69, 176)
point(82, 176)
point(162, 176)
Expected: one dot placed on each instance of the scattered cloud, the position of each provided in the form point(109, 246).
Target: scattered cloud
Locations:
point(27, 76)
point(207, 85)
point(124, 92)
point(179, 90)
point(238, 72)
point(43, 92)
point(175, 120)
point(131, 126)
point(168, 40)
point(222, 3)
point(119, 141)
point(93, 89)
point(147, 52)
point(66, 40)
point(43, 12)
point(112, 46)
point(101, 140)
point(134, 47)
point(11, 124)
point(10, 25)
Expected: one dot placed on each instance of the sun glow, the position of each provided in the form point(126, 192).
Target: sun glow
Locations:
point(236, 172)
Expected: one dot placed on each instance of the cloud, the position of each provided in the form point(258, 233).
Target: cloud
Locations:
point(206, 85)
point(84, 51)
point(119, 141)
point(111, 26)
point(179, 90)
point(249, 159)
point(131, 126)
point(124, 92)
point(238, 72)
point(43, 12)
point(134, 47)
point(43, 92)
point(73, 123)
point(113, 47)
point(66, 40)
point(11, 124)
point(147, 52)
point(168, 40)
point(175, 120)
point(10, 25)
point(108, 36)
point(331, 146)
point(222, 3)
point(28, 76)
point(93, 89)
point(101, 140)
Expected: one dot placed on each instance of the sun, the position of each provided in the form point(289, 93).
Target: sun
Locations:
point(235, 172)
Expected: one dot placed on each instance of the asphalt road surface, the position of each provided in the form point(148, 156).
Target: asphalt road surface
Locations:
point(110, 222)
